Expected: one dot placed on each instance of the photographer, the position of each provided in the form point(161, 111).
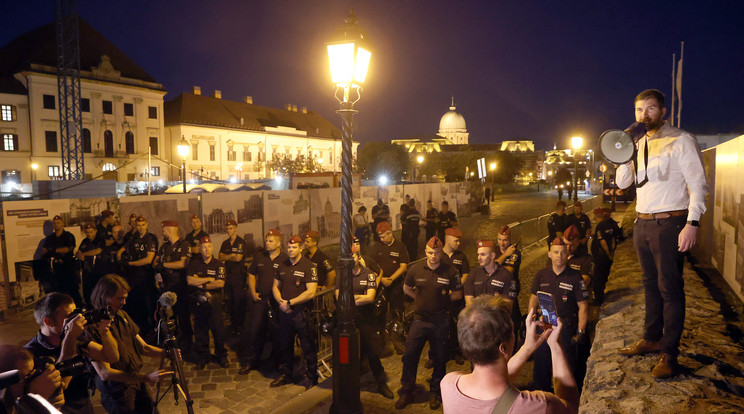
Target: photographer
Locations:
point(123, 388)
point(62, 336)
point(45, 384)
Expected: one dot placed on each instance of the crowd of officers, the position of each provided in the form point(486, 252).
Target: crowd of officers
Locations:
point(270, 299)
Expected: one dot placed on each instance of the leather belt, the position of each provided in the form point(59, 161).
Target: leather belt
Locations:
point(662, 215)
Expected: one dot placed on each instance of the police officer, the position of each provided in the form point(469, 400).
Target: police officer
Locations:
point(571, 297)
point(206, 279)
point(489, 278)
point(455, 257)
point(604, 242)
point(510, 257)
point(432, 284)
point(89, 256)
point(195, 235)
point(411, 229)
point(132, 229)
point(105, 228)
point(445, 220)
point(431, 220)
point(380, 213)
point(557, 222)
point(370, 340)
point(326, 271)
point(578, 259)
point(582, 223)
point(261, 274)
point(171, 263)
point(232, 254)
point(294, 287)
point(59, 262)
point(136, 260)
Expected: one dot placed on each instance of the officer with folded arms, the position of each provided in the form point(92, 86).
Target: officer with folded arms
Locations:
point(136, 259)
point(232, 254)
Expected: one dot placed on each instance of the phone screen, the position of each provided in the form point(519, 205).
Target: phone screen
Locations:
point(547, 307)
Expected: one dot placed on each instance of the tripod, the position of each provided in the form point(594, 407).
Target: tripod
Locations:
point(172, 353)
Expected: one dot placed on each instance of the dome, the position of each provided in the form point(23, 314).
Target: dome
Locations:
point(452, 120)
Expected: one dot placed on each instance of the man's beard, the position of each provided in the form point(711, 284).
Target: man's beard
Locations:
point(653, 125)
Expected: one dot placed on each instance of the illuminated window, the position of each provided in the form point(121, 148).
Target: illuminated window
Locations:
point(195, 151)
point(155, 171)
point(109, 167)
point(211, 152)
point(10, 142)
point(55, 172)
point(7, 112)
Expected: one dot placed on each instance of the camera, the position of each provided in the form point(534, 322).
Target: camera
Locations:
point(92, 316)
point(67, 368)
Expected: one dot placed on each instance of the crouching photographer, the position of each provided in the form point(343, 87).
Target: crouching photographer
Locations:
point(123, 388)
point(65, 341)
point(17, 368)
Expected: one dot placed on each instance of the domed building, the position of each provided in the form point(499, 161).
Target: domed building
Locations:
point(452, 126)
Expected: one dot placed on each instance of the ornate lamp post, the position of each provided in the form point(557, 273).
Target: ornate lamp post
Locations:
point(349, 59)
point(576, 143)
point(183, 151)
point(420, 160)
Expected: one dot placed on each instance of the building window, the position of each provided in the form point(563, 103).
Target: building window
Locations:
point(195, 151)
point(10, 142)
point(87, 146)
point(247, 155)
point(129, 142)
point(11, 177)
point(230, 155)
point(261, 157)
point(109, 167)
point(154, 145)
point(54, 172)
point(51, 141)
point(108, 143)
point(49, 102)
point(155, 172)
point(8, 112)
point(211, 153)
point(84, 104)
point(128, 109)
point(152, 112)
point(107, 107)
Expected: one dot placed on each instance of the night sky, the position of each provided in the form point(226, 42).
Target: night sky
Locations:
point(539, 70)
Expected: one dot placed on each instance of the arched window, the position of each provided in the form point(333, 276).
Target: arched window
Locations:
point(129, 142)
point(87, 146)
point(108, 144)
point(109, 167)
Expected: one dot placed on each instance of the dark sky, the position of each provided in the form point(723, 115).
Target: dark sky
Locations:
point(542, 70)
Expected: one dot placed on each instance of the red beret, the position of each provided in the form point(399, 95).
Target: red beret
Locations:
point(560, 203)
point(571, 233)
point(505, 231)
point(453, 231)
point(205, 239)
point(89, 226)
point(107, 213)
point(434, 243)
point(194, 216)
point(312, 234)
point(231, 222)
point(558, 242)
point(599, 211)
point(383, 227)
point(141, 219)
point(485, 243)
point(57, 217)
point(294, 240)
point(274, 232)
point(133, 216)
point(355, 240)
point(169, 223)
point(355, 248)
point(577, 203)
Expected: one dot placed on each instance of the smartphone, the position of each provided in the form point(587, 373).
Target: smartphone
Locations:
point(547, 307)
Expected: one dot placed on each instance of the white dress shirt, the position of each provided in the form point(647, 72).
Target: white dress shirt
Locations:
point(676, 178)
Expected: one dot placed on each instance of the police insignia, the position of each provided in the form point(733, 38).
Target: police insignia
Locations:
point(315, 272)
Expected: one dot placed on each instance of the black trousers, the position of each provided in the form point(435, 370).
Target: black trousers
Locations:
point(370, 341)
point(254, 339)
point(542, 371)
point(126, 399)
point(208, 317)
point(602, 266)
point(656, 245)
point(434, 329)
point(141, 300)
point(410, 239)
point(181, 311)
point(297, 322)
point(236, 299)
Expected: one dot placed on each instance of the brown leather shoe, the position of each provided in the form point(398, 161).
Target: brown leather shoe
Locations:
point(641, 347)
point(666, 367)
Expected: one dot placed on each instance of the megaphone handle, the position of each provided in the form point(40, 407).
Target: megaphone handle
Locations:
point(645, 164)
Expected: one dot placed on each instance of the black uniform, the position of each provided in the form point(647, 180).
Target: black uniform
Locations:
point(380, 213)
point(142, 296)
point(583, 224)
point(128, 236)
point(93, 267)
point(608, 231)
point(568, 290)
point(515, 261)
point(323, 264)
point(459, 261)
point(556, 223)
point(293, 279)
point(431, 320)
point(60, 268)
point(431, 223)
point(500, 282)
point(264, 269)
point(174, 280)
point(410, 232)
point(389, 258)
point(445, 221)
point(193, 239)
point(207, 305)
point(235, 282)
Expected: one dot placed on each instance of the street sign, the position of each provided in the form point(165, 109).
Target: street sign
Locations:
point(613, 191)
point(481, 168)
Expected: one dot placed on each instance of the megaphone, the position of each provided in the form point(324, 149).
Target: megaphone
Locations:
point(618, 146)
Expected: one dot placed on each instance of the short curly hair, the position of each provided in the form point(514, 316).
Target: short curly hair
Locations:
point(482, 327)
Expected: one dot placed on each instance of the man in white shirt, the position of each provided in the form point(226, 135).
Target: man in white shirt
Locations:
point(671, 188)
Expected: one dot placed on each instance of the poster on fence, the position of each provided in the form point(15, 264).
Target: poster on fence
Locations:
point(325, 214)
point(245, 207)
point(287, 210)
point(156, 208)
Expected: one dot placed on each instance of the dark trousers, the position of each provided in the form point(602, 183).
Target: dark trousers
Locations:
point(602, 266)
point(411, 242)
point(236, 299)
point(258, 325)
point(182, 312)
point(141, 300)
point(208, 317)
point(297, 323)
point(656, 246)
point(129, 399)
point(542, 371)
point(370, 341)
point(434, 329)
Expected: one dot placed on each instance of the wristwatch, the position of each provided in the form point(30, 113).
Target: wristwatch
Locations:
point(581, 331)
point(694, 223)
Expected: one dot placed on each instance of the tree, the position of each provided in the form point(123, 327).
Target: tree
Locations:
point(286, 165)
point(375, 159)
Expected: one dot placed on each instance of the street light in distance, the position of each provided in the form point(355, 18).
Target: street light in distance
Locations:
point(576, 143)
point(183, 151)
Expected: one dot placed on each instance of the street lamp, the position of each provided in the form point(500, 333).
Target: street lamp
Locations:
point(576, 143)
point(349, 58)
point(420, 160)
point(183, 151)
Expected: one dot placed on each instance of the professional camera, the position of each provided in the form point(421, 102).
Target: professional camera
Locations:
point(67, 368)
point(92, 316)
